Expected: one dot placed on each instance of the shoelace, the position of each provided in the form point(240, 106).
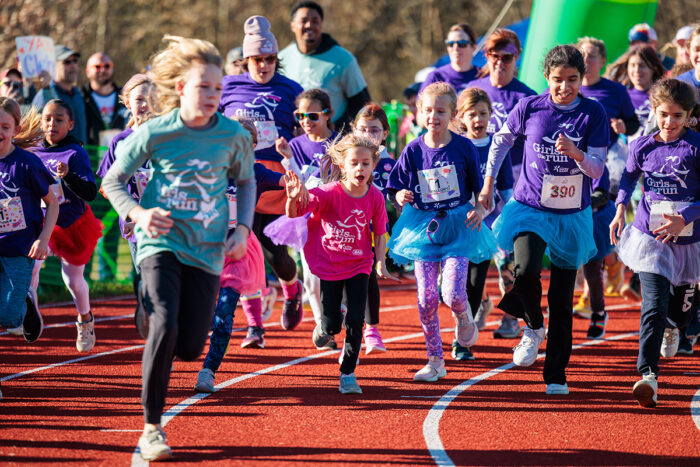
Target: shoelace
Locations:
point(670, 337)
point(527, 338)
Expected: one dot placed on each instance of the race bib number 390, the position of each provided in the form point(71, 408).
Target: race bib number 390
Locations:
point(11, 215)
point(561, 192)
point(438, 184)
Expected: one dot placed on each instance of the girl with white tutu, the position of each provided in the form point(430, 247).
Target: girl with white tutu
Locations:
point(566, 137)
point(663, 243)
point(434, 180)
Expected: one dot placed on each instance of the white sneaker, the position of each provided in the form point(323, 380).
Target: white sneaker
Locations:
point(525, 353)
point(555, 388)
point(153, 445)
point(645, 390)
point(466, 331)
point(86, 335)
point(485, 309)
point(669, 346)
point(348, 384)
point(15, 331)
point(434, 370)
point(205, 381)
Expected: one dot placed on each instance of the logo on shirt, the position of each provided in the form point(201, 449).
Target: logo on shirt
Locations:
point(262, 107)
point(200, 177)
point(671, 174)
point(549, 152)
point(349, 231)
point(7, 186)
point(499, 116)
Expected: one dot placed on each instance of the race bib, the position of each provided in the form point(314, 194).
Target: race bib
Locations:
point(561, 191)
point(438, 184)
point(232, 211)
point(57, 189)
point(11, 215)
point(267, 134)
point(658, 208)
point(141, 177)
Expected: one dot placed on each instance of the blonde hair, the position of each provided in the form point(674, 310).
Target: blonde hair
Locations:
point(170, 66)
point(597, 43)
point(467, 99)
point(134, 82)
point(438, 89)
point(30, 133)
point(336, 152)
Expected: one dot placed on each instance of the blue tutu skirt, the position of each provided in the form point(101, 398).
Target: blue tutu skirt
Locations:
point(601, 230)
point(640, 252)
point(452, 238)
point(569, 237)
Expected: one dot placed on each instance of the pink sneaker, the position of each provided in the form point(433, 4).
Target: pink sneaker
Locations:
point(373, 340)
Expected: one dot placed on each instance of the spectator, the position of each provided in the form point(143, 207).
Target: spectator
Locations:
point(644, 34)
point(11, 85)
point(460, 44)
point(317, 61)
point(681, 42)
point(63, 87)
point(235, 63)
point(103, 109)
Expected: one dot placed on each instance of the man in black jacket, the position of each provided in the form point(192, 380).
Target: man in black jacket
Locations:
point(102, 105)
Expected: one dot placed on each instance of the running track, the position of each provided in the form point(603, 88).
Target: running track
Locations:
point(280, 405)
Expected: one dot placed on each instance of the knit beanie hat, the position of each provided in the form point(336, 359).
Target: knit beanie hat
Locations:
point(258, 39)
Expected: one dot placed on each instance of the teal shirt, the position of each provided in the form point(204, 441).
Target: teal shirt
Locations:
point(190, 174)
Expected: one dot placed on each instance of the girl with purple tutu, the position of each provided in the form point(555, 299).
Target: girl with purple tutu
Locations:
point(662, 244)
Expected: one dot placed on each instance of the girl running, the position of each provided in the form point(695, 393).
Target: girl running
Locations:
point(77, 230)
point(182, 220)
point(439, 228)
point(566, 137)
point(339, 246)
point(663, 243)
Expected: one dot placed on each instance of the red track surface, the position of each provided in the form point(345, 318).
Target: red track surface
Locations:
point(294, 414)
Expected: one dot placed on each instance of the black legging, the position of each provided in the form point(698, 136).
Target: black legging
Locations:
point(372, 310)
point(276, 255)
point(476, 279)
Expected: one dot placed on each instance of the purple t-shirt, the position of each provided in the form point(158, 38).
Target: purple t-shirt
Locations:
point(270, 106)
point(614, 99)
point(380, 175)
point(440, 178)
point(23, 182)
point(689, 77)
point(265, 180)
point(504, 179)
point(78, 162)
point(671, 173)
point(307, 154)
point(539, 122)
point(641, 104)
point(502, 101)
point(457, 79)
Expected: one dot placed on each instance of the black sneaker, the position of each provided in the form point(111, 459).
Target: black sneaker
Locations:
point(33, 323)
point(596, 330)
point(685, 346)
point(320, 338)
point(460, 352)
point(293, 311)
point(141, 320)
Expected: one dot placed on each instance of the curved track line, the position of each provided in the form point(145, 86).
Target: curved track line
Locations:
point(431, 425)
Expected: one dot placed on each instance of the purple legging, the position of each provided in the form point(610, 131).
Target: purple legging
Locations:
point(454, 294)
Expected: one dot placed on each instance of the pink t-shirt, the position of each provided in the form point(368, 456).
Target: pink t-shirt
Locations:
point(339, 244)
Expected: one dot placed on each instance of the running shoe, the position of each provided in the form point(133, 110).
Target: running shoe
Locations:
point(485, 309)
point(596, 330)
point(669, 345)
point(15, 331)
point(86, 335)
point(461, 353)
point(320, 338)
point(509, 328)
point(153, 445)
point(33, 323)
point(632, 290)
point(693, 328)
point(466, 331)
point(645, 390)
point(373, 340)
point(525, 353)
point(254, 338)
point(615, 277)
point(554, 388)
point(348, 384)
point(434, 370)
point(583, 308)
point(269, 296)
point(293, 310)
point(205, 381)
point(685, 346)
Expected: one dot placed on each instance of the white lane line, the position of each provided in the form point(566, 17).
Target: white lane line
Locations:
point(695, 409)
point(431, 424)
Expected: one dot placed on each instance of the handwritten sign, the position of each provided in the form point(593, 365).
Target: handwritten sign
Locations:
point(35, 54)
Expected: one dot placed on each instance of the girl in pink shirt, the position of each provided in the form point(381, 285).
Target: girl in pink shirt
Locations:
point(339, 245)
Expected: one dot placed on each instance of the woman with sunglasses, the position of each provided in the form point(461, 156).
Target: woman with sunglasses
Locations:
point(267, 98)
point(498, 79)
point(460, 43)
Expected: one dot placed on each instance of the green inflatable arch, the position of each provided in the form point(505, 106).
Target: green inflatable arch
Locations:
point(555, 22)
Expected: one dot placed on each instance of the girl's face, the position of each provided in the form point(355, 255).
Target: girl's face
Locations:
point(563, 83)
point(436, 113)
point(639, 73)
point(8, 130)
point(460, 48)
point(671, 119)
point(313, 107)
point(593, 59)
point(200, 93)
point(694, 49)
point(137, 103)
point(262, 67)
point(357, 166)
point(372, 129)
point(56, 123)
point(476, 120)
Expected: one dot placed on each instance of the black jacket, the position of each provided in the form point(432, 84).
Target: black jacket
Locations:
point(94, 118)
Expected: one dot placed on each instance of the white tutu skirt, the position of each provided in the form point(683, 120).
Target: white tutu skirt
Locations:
point(640, 252)
point(289, 232)
point(569, 237)
point(452, 238)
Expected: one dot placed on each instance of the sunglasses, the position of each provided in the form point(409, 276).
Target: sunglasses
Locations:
point(434, 224)
point(461, 43)
point(14, 85)
point(313, 116)
point(505, 58)
point(260, 60)
point(105, 66)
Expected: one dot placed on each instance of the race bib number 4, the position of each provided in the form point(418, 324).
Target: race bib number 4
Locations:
point(561, 191)
point(232, 211)
point(438, 184)
point(267, 134)
point(11, 215)
point(659, 208)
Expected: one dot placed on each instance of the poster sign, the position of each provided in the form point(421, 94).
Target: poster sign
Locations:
point(35, 53)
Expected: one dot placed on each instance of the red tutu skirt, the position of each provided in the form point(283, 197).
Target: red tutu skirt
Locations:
point(76, 243)
point(246, 275)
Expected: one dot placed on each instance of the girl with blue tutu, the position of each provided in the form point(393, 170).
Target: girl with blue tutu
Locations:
point(473, 115)
point(439, 229)
point(566, 137)
point(662, 244)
